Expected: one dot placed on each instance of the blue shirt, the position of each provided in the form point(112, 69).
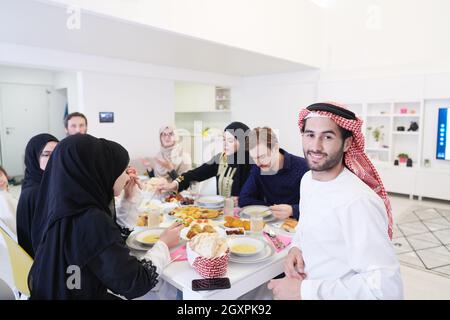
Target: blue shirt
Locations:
point(280, 188)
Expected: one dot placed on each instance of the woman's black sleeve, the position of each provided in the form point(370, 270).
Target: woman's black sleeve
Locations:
point(204, 172)
point(122, 273)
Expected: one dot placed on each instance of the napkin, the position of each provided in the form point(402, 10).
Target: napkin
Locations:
point(284, 239)
point(180, 251)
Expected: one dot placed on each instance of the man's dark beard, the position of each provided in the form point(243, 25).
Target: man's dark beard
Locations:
point(331, 161)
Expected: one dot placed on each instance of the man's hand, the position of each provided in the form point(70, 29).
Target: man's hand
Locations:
point(286, 288)
point(281, 211)
point(294, 266)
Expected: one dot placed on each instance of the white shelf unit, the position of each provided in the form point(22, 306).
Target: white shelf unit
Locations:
point(223, 98)
point(388, 116)
point(199, 107)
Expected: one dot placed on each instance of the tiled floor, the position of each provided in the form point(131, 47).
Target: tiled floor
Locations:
point(422, 239)
point(422, 242)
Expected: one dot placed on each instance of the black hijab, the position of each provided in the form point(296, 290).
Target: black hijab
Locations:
point(33, 150)
point(79, 176)
point(240, 159)
point(30, 188)
point(73, 204)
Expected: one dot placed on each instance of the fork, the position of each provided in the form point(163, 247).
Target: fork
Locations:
point(277, 242)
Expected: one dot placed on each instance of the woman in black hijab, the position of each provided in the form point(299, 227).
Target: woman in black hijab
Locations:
point(37, 153)
point(80, 253)
point(231, 168)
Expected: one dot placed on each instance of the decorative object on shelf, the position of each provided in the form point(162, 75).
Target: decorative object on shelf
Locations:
point(400, 128)
point(377, 134)
point(403, 110)
point(413, 126)
point(427, 163)
point(403, 157)
point(205, 132)
point(409, 162)
point(395, 162)
point(413, 111)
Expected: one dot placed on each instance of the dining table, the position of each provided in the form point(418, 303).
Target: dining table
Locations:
point(244, 277)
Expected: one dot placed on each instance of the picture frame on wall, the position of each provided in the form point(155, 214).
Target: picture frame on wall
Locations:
point(106, 116)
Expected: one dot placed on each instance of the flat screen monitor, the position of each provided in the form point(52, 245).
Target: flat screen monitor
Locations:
point(443, 135)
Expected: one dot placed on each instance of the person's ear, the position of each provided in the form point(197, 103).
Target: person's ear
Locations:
point(347, 143)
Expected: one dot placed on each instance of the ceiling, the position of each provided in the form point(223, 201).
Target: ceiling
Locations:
point(42, 24)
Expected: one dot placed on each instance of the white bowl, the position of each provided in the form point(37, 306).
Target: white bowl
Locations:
point(256, 210)
point(251, 246)
point(142, 237)
point(211, 201)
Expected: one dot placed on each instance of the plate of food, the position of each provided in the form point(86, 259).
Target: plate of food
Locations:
point(266, 253)
point(149, 237)
point(231, 222)
point(197, 228)
point(257, 210)
point(245, 246)
point(195, 213)
point(289, 225)
point(146, 240)
point(183, 200)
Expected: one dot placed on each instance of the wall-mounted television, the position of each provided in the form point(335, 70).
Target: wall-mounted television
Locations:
point(443, 135)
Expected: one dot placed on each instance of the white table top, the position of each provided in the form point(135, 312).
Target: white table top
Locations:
point(243, 277)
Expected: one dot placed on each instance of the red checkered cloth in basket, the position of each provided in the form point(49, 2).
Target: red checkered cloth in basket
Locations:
point(212, 267)
point(355, 159)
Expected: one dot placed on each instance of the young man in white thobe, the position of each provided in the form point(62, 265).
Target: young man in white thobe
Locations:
point(342, 247)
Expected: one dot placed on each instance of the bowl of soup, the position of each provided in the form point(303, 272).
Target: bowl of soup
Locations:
point(245, 246)
point(149, 237)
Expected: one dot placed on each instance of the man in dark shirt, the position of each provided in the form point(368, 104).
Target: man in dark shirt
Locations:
point(275, 180)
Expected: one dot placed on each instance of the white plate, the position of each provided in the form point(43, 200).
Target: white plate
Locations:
point(140, 236)
point(248, 211)
point(133, 244)
point(265, 254)
point(256, 243)
point(184, 232)
point(211, 201)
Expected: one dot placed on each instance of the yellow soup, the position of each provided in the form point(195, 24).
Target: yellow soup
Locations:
point(152, 238)
point(244, 248)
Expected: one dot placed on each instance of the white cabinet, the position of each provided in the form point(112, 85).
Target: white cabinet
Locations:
point(398, 180)
point(433, 184)
point(194, 97)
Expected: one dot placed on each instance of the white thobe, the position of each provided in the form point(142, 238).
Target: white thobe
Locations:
point(343, 236)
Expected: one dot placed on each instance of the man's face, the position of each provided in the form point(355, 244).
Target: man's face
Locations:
point(46, 153)
point(76, 125)
point(322, 144)
point(265, 158)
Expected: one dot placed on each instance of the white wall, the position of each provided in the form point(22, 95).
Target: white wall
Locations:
point(381, 33)
point(44, 78)
point(140, 105)
point(270, 27)
point(275, 101)
point(72, 83)
point(433, 89)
